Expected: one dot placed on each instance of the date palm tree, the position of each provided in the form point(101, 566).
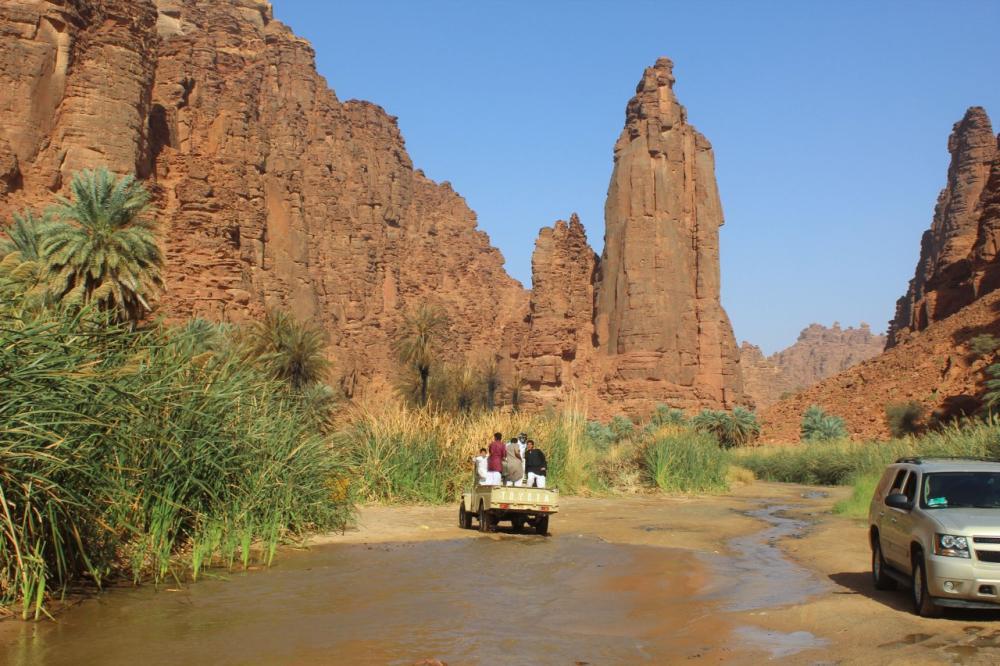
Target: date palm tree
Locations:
point(417, 348)
point(21, 274)
point(290, 350)
point(102, 246)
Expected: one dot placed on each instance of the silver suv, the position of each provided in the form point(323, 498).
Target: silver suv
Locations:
point(934, 526)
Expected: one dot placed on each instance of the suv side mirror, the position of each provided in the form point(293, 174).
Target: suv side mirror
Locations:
point(898, 501)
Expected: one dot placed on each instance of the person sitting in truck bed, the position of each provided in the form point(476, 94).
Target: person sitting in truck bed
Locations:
point(534, 461)
point(482, 467)
point(513, 466)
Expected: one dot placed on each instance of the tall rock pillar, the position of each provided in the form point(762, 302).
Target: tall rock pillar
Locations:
point(959, 243)
point(658, 315)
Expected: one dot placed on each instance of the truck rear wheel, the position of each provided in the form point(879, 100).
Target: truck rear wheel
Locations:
point(542, 525)
point(464, 517)
point(484, 519)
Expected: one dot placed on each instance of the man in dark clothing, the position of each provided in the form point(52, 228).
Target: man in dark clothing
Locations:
point(494, 463)
point(535, 466)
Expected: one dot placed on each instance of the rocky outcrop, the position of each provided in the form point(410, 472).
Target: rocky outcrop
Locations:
point(644, 324)
point(819, 352)
point(552, 349)
point(77, 78)
point(658, 316)
point(957, 254)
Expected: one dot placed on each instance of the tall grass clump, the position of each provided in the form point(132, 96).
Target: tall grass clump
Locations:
point(690, 462)
point(844, 462)
point(127, 454)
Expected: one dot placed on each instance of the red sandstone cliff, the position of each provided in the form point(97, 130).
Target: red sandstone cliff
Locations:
point(644, 324)
point(819, 352)
point(273, 192)
point(957, 254)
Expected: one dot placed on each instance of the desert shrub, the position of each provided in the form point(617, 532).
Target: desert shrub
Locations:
point(984, 344)
point(622, 427)
point(667, 416)
point(599, 435)
point(904, 418)
point(686, 462)
point(738, 428)
point(818, 426)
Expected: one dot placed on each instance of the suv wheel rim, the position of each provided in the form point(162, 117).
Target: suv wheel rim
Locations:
point(918, 584)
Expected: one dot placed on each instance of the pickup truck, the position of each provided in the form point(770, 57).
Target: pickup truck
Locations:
point(518, 504)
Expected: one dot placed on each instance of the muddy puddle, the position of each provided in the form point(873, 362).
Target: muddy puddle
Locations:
point(506, 599)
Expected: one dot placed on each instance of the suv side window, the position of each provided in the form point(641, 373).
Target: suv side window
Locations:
point(883, 484)
point(910, 489)
point(897, 484)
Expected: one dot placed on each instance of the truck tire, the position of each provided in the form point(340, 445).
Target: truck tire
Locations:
point(517, 523)
point(542, 525)
point(464, 517)
point(923, 605)
point(880, 580)
point(484, 519)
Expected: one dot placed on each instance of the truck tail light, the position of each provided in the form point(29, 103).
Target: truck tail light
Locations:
point(505, 506)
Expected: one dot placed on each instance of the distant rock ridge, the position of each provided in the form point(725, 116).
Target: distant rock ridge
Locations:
point(958, 253)
point(275, 193)
point(819, 352)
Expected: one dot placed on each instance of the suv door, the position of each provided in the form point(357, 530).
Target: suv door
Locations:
point(905, 521)
point(895, 550)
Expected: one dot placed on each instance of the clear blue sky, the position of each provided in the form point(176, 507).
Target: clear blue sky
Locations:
point(829, 120)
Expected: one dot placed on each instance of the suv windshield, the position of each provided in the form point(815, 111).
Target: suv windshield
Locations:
point(950, 490)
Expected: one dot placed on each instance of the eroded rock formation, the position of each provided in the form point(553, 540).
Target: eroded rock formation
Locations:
point(819, 352)
point(656, 332)
point(957, 254)
point(658, 313)
point(273, 192)
point(552, 347)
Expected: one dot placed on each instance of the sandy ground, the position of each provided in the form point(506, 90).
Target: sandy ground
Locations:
point(846, 621)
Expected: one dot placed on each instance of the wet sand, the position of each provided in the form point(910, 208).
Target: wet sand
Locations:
point(764, 574)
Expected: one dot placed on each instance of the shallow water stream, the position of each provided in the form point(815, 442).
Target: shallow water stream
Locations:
point(489, 599)
point(502, 600)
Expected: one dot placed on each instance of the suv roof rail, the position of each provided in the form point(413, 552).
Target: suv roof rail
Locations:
point(920, 460)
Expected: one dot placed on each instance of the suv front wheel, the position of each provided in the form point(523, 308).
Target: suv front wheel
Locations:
point(879, 578)
point(923, 605)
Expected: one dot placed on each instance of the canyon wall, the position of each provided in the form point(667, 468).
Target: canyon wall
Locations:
point(275, 193)
point(818, 353)
point(958, 253)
